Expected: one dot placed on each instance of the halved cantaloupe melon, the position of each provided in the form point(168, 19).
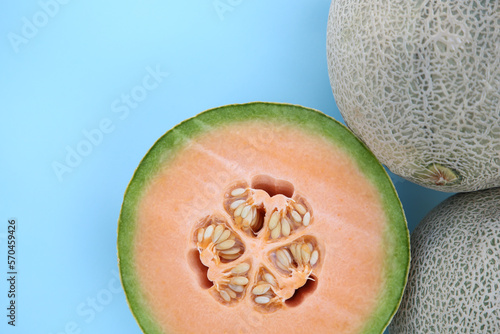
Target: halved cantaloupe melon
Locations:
point(262, 218)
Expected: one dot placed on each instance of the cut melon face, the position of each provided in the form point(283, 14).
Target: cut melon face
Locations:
point(262, 218)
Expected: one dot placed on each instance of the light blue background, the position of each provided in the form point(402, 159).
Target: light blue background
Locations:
point(68, 76)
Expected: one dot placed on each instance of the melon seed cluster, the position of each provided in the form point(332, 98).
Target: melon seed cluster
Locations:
point(259, 248)
point(298, 256)
point(249, 216)
point(232, 285)
point(218, 242)
point(263, 291)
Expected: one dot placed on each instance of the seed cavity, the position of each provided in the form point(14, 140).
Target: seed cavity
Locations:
point(232, 272)
point(245, 214)
point(264, 292)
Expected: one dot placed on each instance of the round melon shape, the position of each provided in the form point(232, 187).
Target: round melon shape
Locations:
point(454, 281)
point(419, 83)
point(262, 218)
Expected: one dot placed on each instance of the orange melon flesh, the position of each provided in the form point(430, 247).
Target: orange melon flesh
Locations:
point(363, 265)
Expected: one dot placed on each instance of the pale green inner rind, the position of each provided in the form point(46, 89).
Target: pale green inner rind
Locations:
point(309, 120)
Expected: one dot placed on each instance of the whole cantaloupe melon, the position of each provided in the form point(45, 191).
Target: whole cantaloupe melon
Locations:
point(454, 281)
point(419, 83)
point(262, 218)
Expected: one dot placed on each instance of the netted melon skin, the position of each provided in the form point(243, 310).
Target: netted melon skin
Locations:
point(419, 83)
point(454, 280)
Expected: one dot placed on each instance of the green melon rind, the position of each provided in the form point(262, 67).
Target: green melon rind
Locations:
point(310, 120)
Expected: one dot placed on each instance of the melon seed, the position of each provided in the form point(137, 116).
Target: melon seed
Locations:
point(225, 295)
point(300, 208)
point(270, 279)
point(224, 236)
point(306, 253)
point(250, 218)
point(311, 248)
point(231, 251)
point(262, 300)
point(282, 267)
point(241, 268)
point(293, 250)
point(314, 258)
point(296, 216)
point(275, 233)
point(239, 280)
point(229, 256)
point(246, 211)
point(261, 289)
point(238, 192)
point(306, 219)
point(225, 245)
point(274, 220)
point(231, 293)
point(217, 232)
point(285, 227)
point(236, 288)
point(201, 231)
point(208, 232)
point(238, 210)
point(236, 204)
point(283, 257)
point(254, 216)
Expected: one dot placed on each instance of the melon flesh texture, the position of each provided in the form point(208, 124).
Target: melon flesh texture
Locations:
point(358, 225)
point(419, 83)
point(454, 281)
